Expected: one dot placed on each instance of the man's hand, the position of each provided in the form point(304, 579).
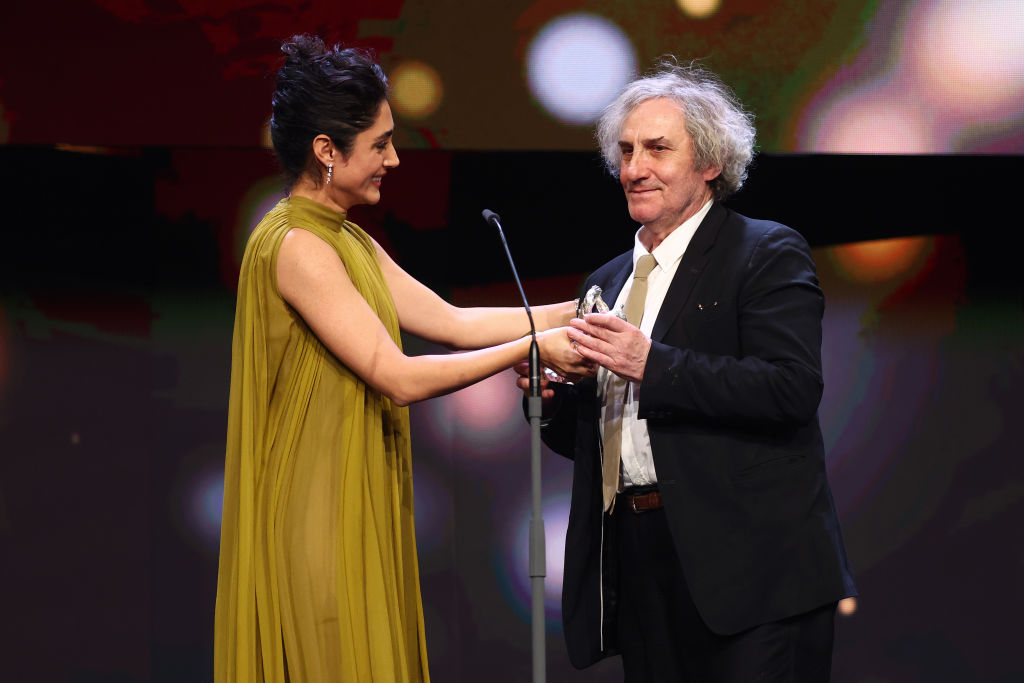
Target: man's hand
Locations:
point(612, 343)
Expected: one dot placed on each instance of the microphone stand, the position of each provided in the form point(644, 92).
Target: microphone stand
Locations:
point(538, 562)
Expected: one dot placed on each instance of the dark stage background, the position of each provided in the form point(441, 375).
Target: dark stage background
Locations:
point(134, 171)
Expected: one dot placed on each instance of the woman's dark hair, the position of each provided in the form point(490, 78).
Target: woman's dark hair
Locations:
point(319, 90)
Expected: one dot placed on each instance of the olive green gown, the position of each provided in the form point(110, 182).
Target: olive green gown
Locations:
point(318, 577)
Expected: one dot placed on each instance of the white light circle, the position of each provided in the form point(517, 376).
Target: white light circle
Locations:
point(870, 122)
point(577, 64)
point(971, 55)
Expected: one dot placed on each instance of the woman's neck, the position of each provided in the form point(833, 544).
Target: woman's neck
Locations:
point(318, 193)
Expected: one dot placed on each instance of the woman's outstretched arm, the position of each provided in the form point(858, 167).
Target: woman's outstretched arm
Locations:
point(313, 280)
point(423, 313)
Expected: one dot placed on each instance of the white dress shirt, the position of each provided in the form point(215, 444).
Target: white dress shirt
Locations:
point(637, 462)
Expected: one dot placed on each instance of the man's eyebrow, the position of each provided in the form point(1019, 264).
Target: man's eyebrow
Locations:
point(384, 136)
point(647, 143)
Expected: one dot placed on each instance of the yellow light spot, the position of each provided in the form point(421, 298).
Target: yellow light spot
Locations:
point(416, 90)
point(699, 9)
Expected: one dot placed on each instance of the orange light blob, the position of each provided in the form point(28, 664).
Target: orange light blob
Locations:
point(880, 260)
point(847, 606)
point(699, 9)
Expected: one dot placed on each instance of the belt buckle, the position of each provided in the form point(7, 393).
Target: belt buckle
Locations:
point(632, 504)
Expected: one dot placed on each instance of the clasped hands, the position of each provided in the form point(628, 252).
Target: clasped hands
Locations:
point(597, 340)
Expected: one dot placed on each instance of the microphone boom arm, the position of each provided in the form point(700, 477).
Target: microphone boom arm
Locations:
point(495, 220)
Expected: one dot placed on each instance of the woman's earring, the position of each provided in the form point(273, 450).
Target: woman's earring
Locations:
point(330, 172)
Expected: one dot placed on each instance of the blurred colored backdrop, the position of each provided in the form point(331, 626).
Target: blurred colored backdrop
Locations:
point(135, 164)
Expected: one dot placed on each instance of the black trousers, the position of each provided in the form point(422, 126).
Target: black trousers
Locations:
point(662, 638)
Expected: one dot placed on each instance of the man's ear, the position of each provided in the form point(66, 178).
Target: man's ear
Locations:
point(710, 173)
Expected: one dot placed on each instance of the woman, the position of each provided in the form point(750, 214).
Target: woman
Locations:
point(318, 573)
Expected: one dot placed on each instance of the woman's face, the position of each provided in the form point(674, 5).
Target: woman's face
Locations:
point(357, 177)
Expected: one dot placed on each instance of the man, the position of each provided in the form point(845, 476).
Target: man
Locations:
point(713, 552)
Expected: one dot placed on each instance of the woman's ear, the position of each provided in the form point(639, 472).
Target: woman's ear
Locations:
point(323, 149)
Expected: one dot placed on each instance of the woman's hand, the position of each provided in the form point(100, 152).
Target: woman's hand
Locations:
point(559, 353)
point(523, 381)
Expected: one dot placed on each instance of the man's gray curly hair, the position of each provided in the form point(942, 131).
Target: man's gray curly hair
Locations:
point(721, 130)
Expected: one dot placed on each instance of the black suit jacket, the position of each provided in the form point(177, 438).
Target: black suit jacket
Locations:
point(730, 394)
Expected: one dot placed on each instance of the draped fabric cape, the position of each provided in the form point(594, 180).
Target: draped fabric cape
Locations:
point(318, 576)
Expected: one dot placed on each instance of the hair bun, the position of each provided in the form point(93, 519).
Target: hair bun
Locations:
point(303, 48)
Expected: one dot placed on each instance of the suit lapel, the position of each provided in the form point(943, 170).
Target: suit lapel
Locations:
point(695, 258)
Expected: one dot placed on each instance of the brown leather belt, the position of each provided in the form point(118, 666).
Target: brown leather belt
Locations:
point(643, 502)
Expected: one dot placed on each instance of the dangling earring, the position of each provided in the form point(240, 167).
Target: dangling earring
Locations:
point(330, 171)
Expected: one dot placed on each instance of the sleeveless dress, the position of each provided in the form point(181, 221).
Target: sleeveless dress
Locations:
point(318, 578)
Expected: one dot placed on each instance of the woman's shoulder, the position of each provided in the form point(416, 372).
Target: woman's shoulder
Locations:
point(287, 215)
point(327, 227)
point(267, 234)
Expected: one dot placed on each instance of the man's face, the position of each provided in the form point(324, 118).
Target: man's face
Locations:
point(662, 186)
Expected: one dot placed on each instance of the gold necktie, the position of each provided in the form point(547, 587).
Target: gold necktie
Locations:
point(612, 432)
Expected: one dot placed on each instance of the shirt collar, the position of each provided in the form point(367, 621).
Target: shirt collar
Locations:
point(674, 246)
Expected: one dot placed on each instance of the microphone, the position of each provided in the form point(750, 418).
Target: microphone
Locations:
point(495, 220)
point(538, 564)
